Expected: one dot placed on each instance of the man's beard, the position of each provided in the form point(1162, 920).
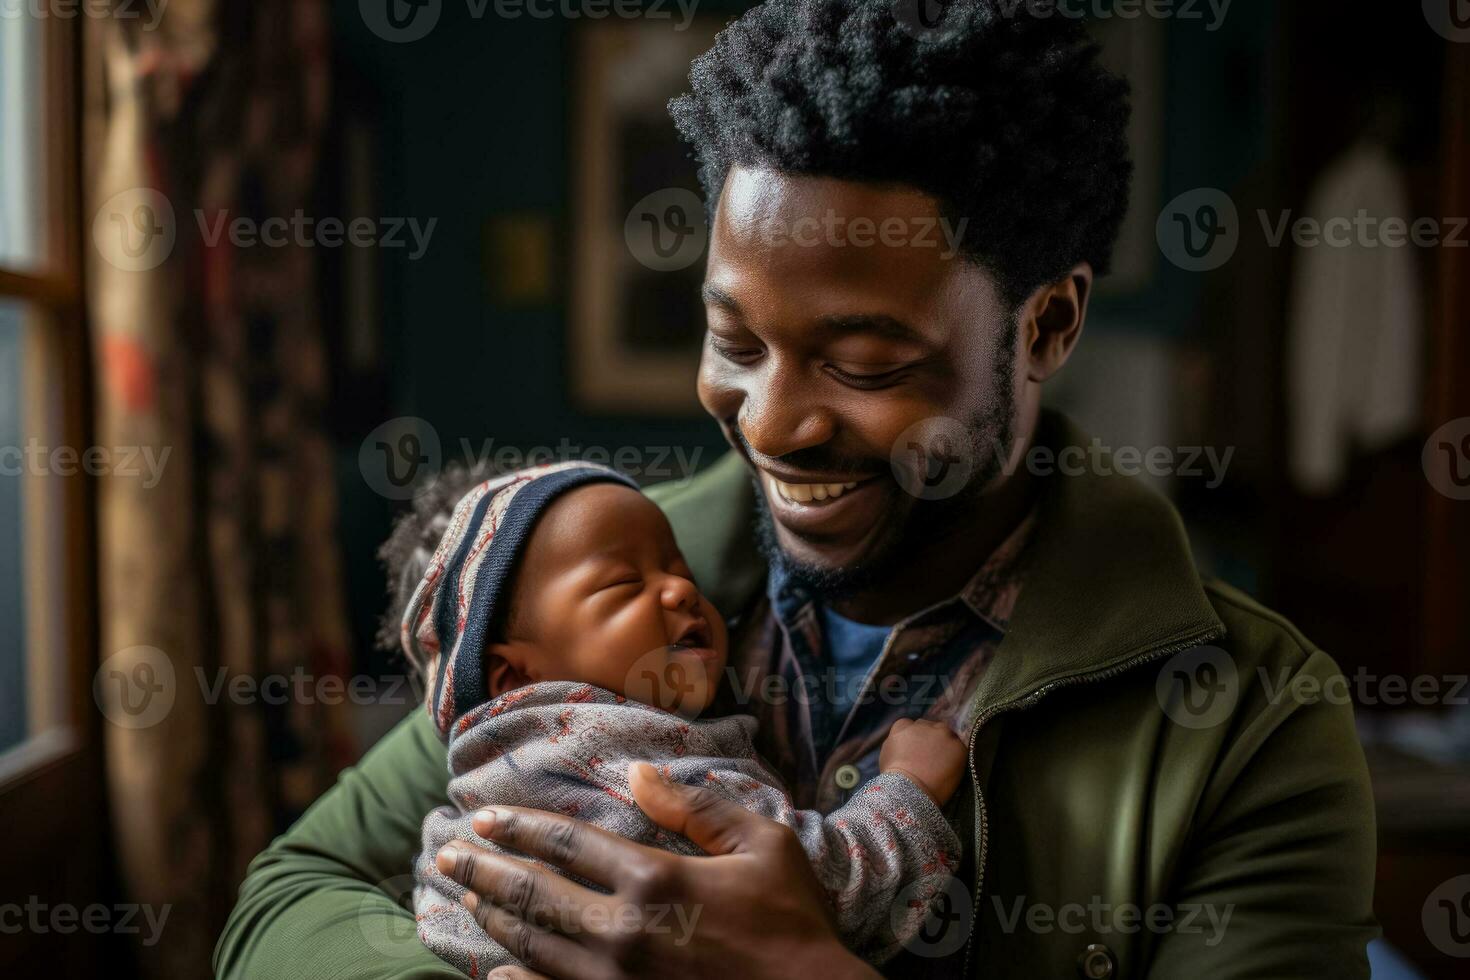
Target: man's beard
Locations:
point(992, 435)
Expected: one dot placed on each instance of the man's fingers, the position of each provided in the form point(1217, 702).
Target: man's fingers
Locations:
point(716, 824)
point(574, 846)
point(514, 973)
point(541, 950)
point(530, 892)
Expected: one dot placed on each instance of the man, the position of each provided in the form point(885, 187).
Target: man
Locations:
point(1139, 804)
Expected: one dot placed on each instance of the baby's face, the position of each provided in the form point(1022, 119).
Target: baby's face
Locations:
point(603, 596)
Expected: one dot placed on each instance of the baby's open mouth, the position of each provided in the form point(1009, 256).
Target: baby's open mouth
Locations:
point(697, 636)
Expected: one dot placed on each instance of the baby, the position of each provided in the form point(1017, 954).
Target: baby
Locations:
point(562, 638)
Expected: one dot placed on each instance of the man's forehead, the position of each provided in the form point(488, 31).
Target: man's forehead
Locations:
point(753, 194)
point(838, 249)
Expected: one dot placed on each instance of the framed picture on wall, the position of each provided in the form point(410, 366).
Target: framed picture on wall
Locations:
point(639, 226)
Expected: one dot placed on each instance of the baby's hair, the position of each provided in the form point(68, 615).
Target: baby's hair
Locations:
point(406, 554)
point(410, 547)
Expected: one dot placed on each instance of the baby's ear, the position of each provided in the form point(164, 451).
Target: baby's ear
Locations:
point(510, 665)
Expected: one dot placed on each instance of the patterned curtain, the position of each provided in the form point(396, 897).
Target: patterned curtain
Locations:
point(228, 566)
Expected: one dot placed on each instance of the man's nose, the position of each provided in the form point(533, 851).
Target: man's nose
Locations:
point(781, 413)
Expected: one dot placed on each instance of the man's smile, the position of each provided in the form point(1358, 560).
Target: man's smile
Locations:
point(844, 510)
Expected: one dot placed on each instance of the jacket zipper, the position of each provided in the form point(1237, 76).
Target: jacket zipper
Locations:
point(1020, 704)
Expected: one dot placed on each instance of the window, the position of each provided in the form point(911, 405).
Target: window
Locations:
point(44, 643)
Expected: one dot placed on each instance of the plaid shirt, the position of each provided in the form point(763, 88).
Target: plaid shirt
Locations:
point(929, 668)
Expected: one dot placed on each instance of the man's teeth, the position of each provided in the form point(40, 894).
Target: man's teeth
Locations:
point(805, 493)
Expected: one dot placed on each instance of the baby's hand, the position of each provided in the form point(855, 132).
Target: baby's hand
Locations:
point(928, 753)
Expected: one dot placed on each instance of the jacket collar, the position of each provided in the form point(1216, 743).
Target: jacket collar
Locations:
point(1109, 574)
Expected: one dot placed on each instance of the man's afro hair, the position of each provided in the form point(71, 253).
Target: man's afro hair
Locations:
point(1002, 115)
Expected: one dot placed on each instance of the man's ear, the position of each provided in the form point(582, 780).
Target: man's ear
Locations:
point(510, 665)
point(1051, 321)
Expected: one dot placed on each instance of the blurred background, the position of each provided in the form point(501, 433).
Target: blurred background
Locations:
point(266, 267)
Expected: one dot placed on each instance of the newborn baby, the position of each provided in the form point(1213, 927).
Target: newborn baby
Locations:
point(562, 638)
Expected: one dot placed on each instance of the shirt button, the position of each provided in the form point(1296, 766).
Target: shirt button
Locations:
point(848, 776)
point(1096, 963)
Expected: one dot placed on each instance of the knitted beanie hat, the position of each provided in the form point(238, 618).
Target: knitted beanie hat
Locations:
point(444, 626)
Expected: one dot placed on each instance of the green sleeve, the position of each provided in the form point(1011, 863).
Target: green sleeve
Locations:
point(322, 901)
point(1287, 849)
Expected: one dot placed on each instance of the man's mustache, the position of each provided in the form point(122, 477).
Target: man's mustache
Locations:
point(814, 458)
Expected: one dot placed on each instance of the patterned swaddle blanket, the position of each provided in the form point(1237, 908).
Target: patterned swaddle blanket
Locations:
point(566, 746)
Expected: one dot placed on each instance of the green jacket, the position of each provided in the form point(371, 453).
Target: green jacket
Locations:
point(1112, 839)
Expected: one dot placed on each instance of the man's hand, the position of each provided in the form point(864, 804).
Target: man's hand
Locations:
point(928, 753)
point(753, 908)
